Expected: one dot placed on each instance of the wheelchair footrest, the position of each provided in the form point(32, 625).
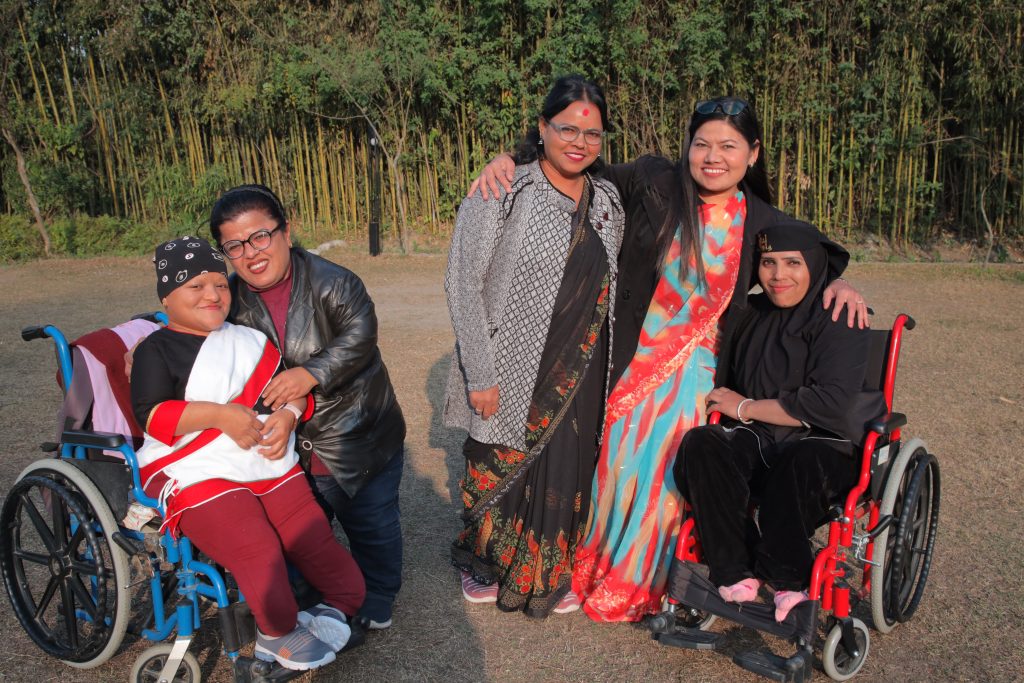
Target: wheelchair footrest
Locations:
point(252, 670)
point(795, 669)
point(689, 638)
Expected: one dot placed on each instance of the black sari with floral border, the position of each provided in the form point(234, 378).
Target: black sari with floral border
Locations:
point(525, 512)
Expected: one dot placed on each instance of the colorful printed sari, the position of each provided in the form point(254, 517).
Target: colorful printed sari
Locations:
point(525, 512)
point(622, 566)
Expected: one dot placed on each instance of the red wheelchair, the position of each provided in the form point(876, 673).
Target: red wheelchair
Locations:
point(884, 531)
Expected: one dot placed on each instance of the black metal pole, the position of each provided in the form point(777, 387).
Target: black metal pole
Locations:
point(374, 195)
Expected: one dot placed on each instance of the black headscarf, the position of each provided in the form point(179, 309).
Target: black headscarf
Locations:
point(773, 345)
point(179, 260)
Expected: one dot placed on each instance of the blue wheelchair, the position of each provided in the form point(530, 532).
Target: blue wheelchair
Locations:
point(74, 572)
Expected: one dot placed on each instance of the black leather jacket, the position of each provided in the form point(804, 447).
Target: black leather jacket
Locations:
point(357, 425)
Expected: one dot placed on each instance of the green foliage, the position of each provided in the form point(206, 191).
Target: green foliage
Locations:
point(19, 240)
point(900, 119)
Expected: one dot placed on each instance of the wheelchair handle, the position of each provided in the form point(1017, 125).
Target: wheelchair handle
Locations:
point(909, 323)
point(34, 332)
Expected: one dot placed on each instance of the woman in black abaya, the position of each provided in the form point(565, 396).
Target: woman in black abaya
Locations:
point(793, 414)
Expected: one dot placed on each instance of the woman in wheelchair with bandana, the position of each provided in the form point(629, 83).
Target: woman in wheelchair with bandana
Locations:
point(793, 413)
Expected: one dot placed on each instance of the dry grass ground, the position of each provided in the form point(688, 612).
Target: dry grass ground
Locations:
point(961, 384)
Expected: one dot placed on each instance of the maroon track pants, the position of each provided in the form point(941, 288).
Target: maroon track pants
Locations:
point(252, 536)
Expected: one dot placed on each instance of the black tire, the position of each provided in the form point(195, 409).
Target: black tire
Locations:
point(151, 662)
point(65, 577)
point(903, 552)
point(915, 540)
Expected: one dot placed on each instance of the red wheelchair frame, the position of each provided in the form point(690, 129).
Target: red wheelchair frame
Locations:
point(892, 508)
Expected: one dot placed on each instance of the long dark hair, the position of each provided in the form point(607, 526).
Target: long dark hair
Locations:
point(238, 200)
point(565, 91)
point(684, 205)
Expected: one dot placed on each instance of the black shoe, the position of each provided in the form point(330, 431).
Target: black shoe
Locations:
point(360, 625)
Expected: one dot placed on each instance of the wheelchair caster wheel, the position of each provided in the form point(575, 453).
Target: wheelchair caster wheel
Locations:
point(839, 663)
point(151, 662)
point(663, 622)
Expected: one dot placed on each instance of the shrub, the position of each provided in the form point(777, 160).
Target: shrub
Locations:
point(19, 240)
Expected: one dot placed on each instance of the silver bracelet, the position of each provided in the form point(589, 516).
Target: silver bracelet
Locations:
point(739, 407)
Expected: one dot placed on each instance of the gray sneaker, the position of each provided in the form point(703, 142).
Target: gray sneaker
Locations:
point(299, 650)
point(327, 623)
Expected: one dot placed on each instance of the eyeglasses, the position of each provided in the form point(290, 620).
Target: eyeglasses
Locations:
point(567, 133)
point(730, 106)
point(259, 241)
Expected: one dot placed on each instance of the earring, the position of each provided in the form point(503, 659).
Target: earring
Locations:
point(540, 141)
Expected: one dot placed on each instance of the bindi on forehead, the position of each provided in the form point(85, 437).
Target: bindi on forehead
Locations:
point(586, 112)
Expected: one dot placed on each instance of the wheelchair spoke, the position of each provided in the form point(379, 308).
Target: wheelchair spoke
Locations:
point(59, 514)
point(70, 618)
point(88, 568)
point(34, 558)
point(41, 527)
point(46, 597)
point(85, 600)
point(77, 537)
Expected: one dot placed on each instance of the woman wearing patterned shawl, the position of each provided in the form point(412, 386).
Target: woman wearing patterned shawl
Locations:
point(529, 282)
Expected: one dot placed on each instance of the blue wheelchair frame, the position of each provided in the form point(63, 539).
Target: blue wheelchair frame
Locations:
point(194, 577)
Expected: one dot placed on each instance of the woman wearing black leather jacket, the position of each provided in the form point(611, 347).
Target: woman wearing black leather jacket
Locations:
point(322, 319)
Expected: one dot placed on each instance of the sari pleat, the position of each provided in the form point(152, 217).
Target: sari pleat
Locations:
point(622, 565)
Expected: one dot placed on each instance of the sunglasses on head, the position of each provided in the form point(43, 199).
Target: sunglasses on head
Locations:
point(730, 106)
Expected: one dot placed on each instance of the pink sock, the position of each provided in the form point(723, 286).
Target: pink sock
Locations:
point(785, 601)
point(742, 591)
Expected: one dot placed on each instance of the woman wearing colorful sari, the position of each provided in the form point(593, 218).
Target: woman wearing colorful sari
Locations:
point(704, 245)
point(530, 278)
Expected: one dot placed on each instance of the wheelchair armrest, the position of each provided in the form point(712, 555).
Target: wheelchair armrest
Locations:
point(886, 424)
point(93, 439)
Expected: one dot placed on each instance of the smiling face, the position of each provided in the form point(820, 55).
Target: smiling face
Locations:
point(200, 305)
point(570, 159)
point(719, 157)
point(784, 277)
point(260, 269)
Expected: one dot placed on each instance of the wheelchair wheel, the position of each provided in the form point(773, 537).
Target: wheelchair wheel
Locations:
point(65, 577)
point(839, 664)
point(151, 662)
point(688, 617)
point(904, 550)
point(682, 617)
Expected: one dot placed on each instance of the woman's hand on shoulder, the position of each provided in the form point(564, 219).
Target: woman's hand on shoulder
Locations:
point(240, 424)
point(287, 386)
point(845, 296)
point(485, 402)
point(501, 170)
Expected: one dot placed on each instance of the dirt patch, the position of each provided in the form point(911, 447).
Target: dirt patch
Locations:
point(961, 384)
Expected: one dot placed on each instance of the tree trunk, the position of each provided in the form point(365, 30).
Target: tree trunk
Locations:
point(32, 203)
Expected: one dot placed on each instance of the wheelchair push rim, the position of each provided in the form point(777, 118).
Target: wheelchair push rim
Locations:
point(65, 576)
point(905, 550)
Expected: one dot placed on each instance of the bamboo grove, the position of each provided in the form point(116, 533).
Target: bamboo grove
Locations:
point(899, 120)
